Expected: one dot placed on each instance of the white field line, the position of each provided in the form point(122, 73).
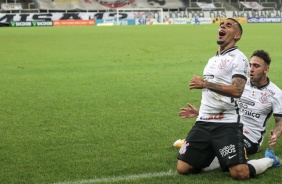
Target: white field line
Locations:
point(120, 178)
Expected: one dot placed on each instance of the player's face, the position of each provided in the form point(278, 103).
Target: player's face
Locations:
point(228, 31)
point(258, 70)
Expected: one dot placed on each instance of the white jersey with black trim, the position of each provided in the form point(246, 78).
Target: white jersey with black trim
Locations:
point(220, 69)
point(257, 105)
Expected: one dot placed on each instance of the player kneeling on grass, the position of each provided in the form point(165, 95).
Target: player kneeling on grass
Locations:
point(259, 100)
point(218, 131)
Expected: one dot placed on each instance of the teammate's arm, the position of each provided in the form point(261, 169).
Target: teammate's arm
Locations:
point(234, 90)
point(276, 132)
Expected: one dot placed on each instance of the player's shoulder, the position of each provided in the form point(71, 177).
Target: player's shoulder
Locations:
point(239, 53)
point(272, 87)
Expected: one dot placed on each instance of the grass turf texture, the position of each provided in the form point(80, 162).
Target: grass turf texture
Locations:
point(79, 103)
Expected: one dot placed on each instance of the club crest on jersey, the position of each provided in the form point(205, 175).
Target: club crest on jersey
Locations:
point(223, 64)
point(183, 148)
point(263, 98)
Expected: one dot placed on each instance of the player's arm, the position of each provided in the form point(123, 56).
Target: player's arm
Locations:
point(234, 90)
point(276, 132)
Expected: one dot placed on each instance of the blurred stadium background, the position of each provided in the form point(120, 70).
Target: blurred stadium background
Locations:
point(73, 97)
point(108, 5)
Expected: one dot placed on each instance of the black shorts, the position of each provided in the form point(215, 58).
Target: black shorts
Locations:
point(251, 148)
point(207, 140)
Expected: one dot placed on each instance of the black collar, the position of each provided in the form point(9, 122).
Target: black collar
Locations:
point(226, 51)
point(261, 87)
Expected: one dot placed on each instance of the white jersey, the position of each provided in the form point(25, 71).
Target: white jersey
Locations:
point(220, 69)
point(257, 106)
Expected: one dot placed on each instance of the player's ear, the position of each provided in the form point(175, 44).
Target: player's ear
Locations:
point(237, 36)
point(266, 70)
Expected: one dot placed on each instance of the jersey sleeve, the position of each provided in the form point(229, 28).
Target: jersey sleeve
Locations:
point(241, 67)
point(277, 104)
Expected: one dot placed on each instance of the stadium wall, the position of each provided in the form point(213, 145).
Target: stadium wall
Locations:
point(130, 18)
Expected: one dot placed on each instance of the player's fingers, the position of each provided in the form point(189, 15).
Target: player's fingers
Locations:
point(272, 136)
point(182, 116)
point(192, 86)
point(271, 145)
point(191, 106)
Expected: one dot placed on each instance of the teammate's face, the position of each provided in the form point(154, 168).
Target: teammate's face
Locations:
point(258, 71)
point(228, 32)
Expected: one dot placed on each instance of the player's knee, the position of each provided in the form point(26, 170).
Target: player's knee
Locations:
point(240, 172)
point(181, 170)
point(183, 167)
point(240, 176)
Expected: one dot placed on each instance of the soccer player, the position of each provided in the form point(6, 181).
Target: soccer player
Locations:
point(261, 98)
point(218, 131)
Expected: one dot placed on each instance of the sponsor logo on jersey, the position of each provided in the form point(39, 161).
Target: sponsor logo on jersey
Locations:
point(243, 106)
point(227, 150)
point(247, 102)
point(271, 91)
point(250, 113)
point(232, 55)
point(246, 132)
point(206, 77)
point(219, 116)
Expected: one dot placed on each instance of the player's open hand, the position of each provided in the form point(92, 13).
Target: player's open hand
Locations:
point(189, 112)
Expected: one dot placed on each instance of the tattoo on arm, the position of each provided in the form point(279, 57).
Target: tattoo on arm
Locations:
point(278, 125)
point(240, 84)
point(235, 91)
point(212, 86)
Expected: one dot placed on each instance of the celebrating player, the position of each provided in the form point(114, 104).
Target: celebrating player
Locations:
point(218, 131)
point(260, 99)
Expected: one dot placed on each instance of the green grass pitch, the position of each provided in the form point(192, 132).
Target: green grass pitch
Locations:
point(100, 104)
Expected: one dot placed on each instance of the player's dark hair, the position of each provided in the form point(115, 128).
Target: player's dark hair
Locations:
point(239, 25)
point(263, 55)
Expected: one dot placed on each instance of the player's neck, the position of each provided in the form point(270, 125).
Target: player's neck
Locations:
point(224, 47)
point(264, 81)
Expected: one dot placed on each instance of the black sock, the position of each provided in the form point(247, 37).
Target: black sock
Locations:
point(252, 171)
